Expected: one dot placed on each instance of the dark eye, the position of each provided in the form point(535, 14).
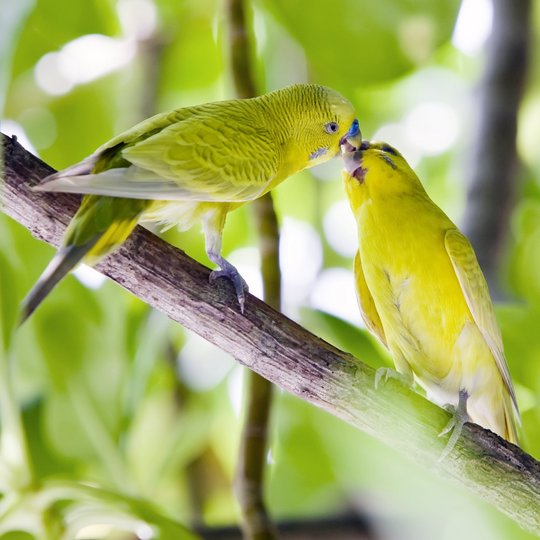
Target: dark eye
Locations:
point(331, 127)
point(389, 150)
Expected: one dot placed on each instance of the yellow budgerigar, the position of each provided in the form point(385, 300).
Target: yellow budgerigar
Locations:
point(194, 164)
point(422, 293)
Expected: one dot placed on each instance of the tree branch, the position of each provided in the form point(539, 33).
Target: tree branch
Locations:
point(287, 354)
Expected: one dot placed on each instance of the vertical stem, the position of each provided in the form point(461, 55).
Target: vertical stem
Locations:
point(256, 523)
point(152, 49)
point(493, 167)
point(151, 54)
point(240, 50)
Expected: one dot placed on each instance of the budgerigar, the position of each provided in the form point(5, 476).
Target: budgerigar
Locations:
point(194, 164)
point(422, 293)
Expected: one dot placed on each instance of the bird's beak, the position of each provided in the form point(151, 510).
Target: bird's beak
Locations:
point(352, 159)
point(351, 141)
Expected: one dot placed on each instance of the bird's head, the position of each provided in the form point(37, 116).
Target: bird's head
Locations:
point(376, 157)
point(379, 167)
point(326, 122)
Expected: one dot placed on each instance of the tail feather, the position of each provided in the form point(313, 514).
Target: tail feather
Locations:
point(512, 420)
point(116, 234)
point(83, 168)
point(62, 263)
point(100, 225)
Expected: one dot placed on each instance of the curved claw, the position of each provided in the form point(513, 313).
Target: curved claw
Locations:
point(385, 373)
point(227, 270)
point(240, 285)
point(455, 425)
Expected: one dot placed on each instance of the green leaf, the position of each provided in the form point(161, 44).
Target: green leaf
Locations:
point(62, 509)
point(356, 42)
point(9, 300)
point(192, 64)
point(17, 535)
point(47, 31)
point(302, 477)
point(346, 336)
point(14, 15)
point(63, 338)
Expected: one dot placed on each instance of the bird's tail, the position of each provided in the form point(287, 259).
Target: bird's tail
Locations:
point(100, 225)
point(63, 262)
point(511, 420)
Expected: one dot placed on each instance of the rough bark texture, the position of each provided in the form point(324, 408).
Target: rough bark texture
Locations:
point(287, 354)
point(493, 166)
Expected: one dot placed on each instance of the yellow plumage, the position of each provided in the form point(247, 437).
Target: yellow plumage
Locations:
point(194, 164)
point(422, 293)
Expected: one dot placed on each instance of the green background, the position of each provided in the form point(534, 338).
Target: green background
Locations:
point(117, 396)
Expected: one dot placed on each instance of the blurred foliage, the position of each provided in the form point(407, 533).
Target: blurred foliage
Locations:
point(122, 421)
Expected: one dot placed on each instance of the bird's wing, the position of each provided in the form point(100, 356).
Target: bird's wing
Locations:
point(136, 183)
point(227, 159)
point(476, 293)
point(204, 157)
point(369, 312)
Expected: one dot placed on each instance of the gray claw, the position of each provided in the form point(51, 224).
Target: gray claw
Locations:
point(455, 425)
point(385, 373)
point(231, 273)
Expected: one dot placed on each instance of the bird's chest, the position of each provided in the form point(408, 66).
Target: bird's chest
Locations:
point(402, 243)
point(411, 277)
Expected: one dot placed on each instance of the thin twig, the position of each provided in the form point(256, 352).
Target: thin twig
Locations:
point(285, 353)
point(256, 523)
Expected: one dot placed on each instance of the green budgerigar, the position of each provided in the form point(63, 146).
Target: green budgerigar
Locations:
point(194, 164)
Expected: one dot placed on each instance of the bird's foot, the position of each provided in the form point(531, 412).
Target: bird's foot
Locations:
point(227, 270)
point(456, 423)
point(385, 373)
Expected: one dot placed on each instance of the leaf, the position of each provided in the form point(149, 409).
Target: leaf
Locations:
point(16, 535)
point(62, 509)
point(63, 339)
point(302, 473)
point(9, 301)
point(191, 44)
point(346, 336)
point(356, 42)
point(14, 15)
point(46, 31)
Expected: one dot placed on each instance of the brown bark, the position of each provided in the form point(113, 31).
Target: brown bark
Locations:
point(285, 353)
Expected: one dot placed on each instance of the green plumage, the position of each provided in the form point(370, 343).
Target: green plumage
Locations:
point(96, 214)
point(198, 163)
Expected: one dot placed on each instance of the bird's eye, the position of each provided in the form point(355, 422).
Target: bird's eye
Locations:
point(331, 127)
